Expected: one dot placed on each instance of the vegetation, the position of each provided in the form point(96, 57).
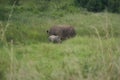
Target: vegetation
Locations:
point(97, 6)
point(26, 54)
point(90, 58)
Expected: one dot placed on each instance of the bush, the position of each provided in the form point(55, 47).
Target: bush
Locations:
point(82, 3)
point(114, 6)
point(17, 2)
point(96, 6)
point(3, 13)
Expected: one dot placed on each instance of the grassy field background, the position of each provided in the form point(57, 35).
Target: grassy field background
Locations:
point(88, 56)
point(26, 54)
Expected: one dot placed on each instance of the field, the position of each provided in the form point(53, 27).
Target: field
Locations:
point(26, 53)
point(75, 59)
point(92, 55)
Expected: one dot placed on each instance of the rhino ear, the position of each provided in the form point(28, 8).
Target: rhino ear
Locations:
point(47, 31)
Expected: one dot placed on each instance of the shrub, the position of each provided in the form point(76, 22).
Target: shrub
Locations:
point(96, 6)
point(114, 6)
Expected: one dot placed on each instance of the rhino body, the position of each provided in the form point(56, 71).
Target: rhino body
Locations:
point(64, 32)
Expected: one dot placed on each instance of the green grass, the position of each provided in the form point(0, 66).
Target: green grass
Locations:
point(32, 27)
point(76, 58)
point(26, 54)
point(92, 55)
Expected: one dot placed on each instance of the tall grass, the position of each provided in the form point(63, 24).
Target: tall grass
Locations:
point(49, 61)
point(32, 27)
point(92, 55)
